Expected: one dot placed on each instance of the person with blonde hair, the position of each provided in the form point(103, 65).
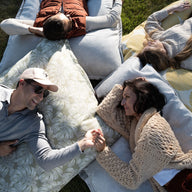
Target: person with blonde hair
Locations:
point(171, 47)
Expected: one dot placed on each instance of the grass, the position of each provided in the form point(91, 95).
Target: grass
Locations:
point(8, 9)
point(134, 12)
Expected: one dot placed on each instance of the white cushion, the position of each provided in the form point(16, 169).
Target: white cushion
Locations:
point(68, 114)
point(99, 52)
point(129, 69)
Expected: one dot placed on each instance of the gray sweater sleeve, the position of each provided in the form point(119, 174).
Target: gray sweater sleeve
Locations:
point(153, 24)
point(47, 157)
point(105, 21)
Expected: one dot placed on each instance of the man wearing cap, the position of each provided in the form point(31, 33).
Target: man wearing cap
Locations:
point(20, 122)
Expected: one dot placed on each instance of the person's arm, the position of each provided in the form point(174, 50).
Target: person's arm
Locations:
point(36, 30)
point(152, 153)
point(105, 21)
point(49, 158)
point(153, 23)
point(16, 26)
point(111, 112)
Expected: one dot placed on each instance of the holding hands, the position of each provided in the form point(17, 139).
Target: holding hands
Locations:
point(99, 140)
point(93, 138)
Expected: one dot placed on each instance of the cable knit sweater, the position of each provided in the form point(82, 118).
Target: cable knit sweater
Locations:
point(174, 39)
point(152, 142)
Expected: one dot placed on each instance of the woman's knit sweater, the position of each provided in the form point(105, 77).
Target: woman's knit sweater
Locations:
point(153, 144)
point(174, 39)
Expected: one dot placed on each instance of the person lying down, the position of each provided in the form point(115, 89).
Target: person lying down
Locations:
point(63, 19)
point(134, 111)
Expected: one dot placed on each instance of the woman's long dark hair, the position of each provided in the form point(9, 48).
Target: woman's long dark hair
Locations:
point(148, 95)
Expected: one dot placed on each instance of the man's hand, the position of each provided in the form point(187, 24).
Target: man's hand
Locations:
point(37, 31)
point(6, 147)
point(98, 139)
point(89, 140)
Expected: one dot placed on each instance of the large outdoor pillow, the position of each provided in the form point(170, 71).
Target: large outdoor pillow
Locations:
point(130, 68)
point(180, 80)
point(132, 43)
point(98, 52)
point(68, 114)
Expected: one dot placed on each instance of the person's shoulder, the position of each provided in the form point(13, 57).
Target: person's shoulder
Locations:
point(5, 92)
point(158, 127)
point(35, 114)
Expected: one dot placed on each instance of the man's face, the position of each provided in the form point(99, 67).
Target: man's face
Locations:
point(29, 95)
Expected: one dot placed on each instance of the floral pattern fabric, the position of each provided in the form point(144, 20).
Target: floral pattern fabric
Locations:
point(68, 114)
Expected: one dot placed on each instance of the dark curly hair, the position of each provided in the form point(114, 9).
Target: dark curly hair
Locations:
point(147, 95)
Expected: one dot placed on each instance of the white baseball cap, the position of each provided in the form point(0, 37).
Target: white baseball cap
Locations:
point(39, 75)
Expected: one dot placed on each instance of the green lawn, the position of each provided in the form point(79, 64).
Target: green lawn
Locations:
point(134, 12)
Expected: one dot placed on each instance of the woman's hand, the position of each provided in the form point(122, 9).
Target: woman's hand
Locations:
point(179, 7)
point(89, 140)
point(99, 140)
point(100, 143)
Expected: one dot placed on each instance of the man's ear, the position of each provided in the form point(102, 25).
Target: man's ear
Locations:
point(21, 82)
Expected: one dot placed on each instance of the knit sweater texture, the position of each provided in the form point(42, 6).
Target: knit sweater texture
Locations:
point(152, 142)
point(174, 39)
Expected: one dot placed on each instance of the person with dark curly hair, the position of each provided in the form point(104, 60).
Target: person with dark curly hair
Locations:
point(134, 111)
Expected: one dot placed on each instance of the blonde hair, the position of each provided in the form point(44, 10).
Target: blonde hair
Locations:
point(184, 54)
point(160, 61)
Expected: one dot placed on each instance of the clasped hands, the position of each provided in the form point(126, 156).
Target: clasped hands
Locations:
point(93, 138)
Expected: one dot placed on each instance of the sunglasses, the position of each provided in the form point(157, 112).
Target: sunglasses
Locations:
point(37, 88)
